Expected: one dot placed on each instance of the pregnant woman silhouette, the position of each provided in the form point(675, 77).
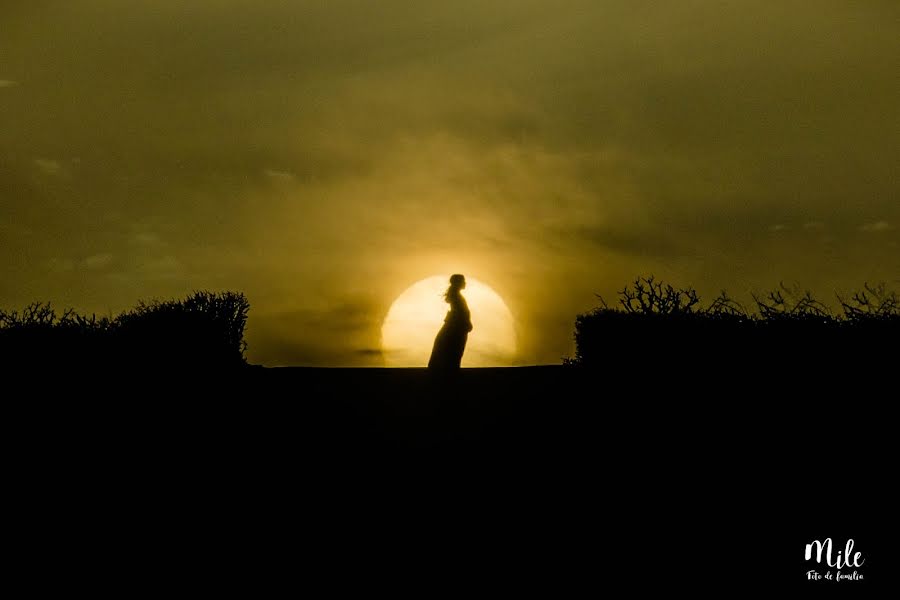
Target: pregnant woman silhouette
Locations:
point(450, 342)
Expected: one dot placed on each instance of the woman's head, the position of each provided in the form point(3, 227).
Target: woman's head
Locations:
point(458, 281)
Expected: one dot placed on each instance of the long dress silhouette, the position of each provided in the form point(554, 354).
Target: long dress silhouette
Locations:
point(450, 342)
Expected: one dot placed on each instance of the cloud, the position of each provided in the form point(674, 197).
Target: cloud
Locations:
point(778, 227)
point(629, 243)
point(347, 317)
point(61, 264)
point(279, 176)
point(97, 261)
point(337, 332)
point(6, 83)
point(163, 267)
point(876, 227)
point(147, 238)
point(48, 166)
point(814, 226)
point(371, 352)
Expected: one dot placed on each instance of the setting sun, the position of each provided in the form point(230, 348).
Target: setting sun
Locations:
point(417, 314)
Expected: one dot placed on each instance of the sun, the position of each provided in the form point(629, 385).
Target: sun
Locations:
point(415, 317)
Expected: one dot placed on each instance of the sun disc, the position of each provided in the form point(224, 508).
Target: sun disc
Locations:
point(417, 314)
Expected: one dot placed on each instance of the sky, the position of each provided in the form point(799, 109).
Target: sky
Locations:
point(322, 156)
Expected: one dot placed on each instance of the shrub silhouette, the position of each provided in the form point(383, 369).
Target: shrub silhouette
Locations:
point(206, 329)
point(874, 303)
point(668, 328)
point(649, 297)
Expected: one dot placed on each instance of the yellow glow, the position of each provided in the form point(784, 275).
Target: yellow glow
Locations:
point(415, 317)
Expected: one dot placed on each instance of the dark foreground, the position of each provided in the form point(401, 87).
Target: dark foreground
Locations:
point(547, 480)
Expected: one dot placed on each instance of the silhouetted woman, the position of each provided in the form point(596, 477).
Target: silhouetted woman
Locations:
point(450, 342)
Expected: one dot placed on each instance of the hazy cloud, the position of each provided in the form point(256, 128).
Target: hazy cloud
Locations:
point(329, 326)
point(98, 261)
point(279, 176)
point(6, 83)
point(371, 352)
point(61, 264)
point(162, 267)
point(48, 166)
point(634, 243)
point(147, 238)
point(876, 227)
